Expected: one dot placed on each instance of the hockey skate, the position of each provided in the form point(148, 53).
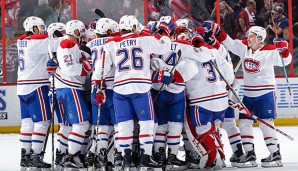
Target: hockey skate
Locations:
point(192, 159)
point(24, 160)
point(274, 160)
point(101, 163)
point(236, 156)
point(248, 160)
point(36, 162)
point(89, 159)
point(117, 160)
point(127, 160)
point(147, 163)
point(59, 161)
point(173, 163)
point(160, 156)
point(74, 163)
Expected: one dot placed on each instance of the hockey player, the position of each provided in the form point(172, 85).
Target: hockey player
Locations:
point(56, 30)
point(258, 61)
point(229, 123)
point(105, 29)
point(69, 81)
point(130, 54)
point(208, 99)
point(32, 89)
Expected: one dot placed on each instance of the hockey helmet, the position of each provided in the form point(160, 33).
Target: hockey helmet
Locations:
point(55, 26)
point(127, 22)
point(105, 24)
point(73, 25)
point(32, 21)
point(259, 31)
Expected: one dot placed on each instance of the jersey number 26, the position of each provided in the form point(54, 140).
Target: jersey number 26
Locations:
point(130, 59)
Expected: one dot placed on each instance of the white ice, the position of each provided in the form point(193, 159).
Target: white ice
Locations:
point(10, 151)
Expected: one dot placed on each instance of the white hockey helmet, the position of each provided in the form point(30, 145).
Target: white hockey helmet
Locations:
point(90, 34)
point(73, 25)
point(32, 21)
point(105, 24)
point(182, 23)
point(259, 31)
point(55, 26)
point(127, 22)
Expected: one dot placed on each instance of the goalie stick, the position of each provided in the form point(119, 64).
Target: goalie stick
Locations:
point(162, 86)
point(243, 108)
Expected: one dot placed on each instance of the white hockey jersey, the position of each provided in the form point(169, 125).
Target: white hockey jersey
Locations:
point(130, 54)
point(69, 72)
point(258, 67)
point(188, 52)
point(33, 57)
point(206, 87)
point(96, 46)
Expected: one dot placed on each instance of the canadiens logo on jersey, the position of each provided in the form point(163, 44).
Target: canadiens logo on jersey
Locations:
point(251, 65)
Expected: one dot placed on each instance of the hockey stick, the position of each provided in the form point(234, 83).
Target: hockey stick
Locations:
point(99, 106)
point(243, 108)
point(179, 57)
point(99, 13)
point(286, 75)
point(53, 107)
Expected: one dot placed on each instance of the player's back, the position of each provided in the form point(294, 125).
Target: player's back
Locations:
point(206, 88)
point(68, 74)
point(96, 46)
point(171, 58)
point(33, 56)
point(130, 54)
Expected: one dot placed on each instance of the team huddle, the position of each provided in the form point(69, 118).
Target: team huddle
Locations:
point(150, 86)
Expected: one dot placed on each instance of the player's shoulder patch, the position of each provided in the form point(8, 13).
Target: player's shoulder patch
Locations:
point(67, 44)
point(268, 47)
point(183, 42)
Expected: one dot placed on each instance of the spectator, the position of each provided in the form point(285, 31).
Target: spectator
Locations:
point(199, 11)
point(46, 12)
point(286, 36)
point(225, 12)
point(241, 29)
point(163, 7)
point(237, 9)
point(153, 12)
point(249, 12)
point(280, 21)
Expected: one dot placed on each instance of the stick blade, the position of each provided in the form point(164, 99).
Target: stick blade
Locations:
point(99, 13)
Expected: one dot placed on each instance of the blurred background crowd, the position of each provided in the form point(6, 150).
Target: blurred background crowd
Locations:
point(236, 17)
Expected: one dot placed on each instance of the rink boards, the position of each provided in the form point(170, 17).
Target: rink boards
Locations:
point(10, 110)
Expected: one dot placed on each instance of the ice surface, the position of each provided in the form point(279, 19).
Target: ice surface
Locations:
point(10, 151)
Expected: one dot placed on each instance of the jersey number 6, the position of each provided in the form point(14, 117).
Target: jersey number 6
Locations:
point(130, 56)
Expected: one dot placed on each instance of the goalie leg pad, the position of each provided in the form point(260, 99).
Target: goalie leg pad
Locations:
point(207, 139)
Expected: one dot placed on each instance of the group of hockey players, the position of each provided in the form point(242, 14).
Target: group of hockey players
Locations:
point(150, 86)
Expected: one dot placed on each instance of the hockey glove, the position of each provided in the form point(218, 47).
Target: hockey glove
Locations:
point(196, 39)
point(100, 97)
point(86, 68)
point(157, 64)
point(211, 26)
point(162, 76)
point(51, 66)
point(165, 25)
point(282, 46)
